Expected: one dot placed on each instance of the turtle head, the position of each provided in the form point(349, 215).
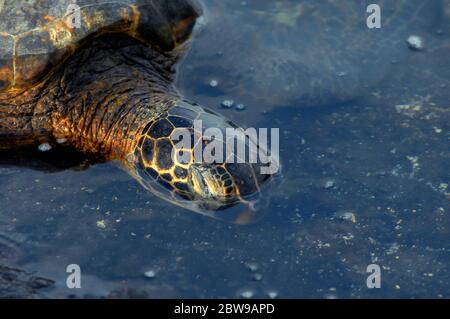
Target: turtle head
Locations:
point(195, 158)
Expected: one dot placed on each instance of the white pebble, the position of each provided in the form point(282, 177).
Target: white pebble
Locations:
point(247, 294)
point(252, 266)
point(227, 104)
point(150, 274)
point(240, 107)
point(348, 216)
point(415, 42)
point(257, 277)
point(44, 147)
point(328, 184)
point(272, 294)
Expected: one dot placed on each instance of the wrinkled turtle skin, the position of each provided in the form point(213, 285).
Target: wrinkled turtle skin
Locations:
point(106, 89)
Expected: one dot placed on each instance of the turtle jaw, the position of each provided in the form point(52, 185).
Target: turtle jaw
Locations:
point(208, 188)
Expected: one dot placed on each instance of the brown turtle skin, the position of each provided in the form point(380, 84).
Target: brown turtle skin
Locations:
point(32, 106)
point(87, 102)
point(113, 98)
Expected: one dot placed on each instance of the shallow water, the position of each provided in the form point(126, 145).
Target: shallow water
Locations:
point(364, 148)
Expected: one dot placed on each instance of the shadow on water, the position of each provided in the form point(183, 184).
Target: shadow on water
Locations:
point(54, 160)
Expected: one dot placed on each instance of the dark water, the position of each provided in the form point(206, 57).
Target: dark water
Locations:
point(364, 123)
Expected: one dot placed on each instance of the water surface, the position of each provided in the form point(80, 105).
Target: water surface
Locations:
point(364, 123)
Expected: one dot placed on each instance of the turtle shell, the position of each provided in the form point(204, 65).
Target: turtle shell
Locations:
point(37, 35)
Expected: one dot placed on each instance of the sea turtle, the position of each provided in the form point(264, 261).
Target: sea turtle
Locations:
point(97, 76)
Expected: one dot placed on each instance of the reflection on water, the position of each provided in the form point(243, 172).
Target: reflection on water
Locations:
point(364, 125)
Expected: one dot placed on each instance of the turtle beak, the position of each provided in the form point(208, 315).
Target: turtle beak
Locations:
point(205, 186)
